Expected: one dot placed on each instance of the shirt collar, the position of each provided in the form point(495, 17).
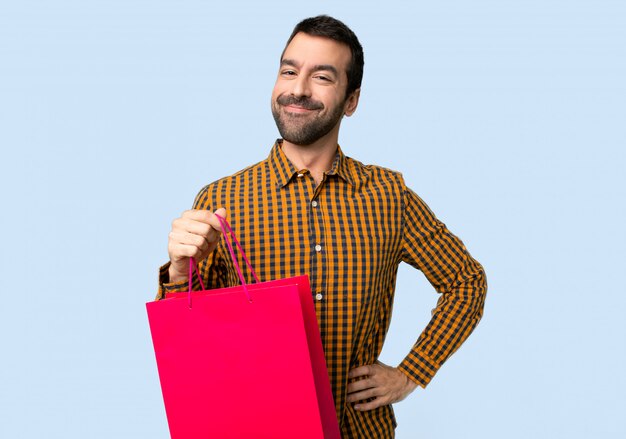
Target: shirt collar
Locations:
point(283, 170)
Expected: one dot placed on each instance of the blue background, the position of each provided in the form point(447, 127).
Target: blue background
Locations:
point(508, 118)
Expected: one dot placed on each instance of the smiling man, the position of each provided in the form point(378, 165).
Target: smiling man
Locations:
point(310, 209)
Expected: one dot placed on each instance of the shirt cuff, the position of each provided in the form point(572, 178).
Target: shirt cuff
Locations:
point(419, 367)
point(165, 286)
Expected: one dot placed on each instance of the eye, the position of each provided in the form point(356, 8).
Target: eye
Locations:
point(288, 73)
point(323, 78)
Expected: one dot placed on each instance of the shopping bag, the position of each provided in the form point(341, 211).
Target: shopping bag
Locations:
point(243, 362)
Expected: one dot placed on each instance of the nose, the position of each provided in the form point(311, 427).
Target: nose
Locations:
point(301, 87)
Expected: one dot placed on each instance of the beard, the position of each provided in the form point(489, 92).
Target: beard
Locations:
point(304, 129)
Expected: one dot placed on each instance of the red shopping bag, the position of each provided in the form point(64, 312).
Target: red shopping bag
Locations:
point(243, 362)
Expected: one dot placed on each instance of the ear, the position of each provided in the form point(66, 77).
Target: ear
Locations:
point(352, 102)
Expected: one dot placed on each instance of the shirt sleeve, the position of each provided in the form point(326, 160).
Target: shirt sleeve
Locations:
point(213, 269)
point(430, 247)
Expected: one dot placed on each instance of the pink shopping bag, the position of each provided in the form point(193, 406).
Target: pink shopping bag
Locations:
point(243, 362)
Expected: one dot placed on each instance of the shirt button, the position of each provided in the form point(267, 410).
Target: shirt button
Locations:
point(319, 297)
point(300, 175)
point(318, 248)
point(314, 203)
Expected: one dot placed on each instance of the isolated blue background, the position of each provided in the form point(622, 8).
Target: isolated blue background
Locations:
point(507, 117)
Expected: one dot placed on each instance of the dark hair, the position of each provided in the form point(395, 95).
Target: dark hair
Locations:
point(329, 27)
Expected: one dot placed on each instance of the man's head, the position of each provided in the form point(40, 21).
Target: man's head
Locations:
point(333, 29)
point(319, 80)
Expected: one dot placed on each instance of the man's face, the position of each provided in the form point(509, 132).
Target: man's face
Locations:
point(309, 97)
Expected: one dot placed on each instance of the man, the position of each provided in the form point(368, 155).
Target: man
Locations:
point(309, 209)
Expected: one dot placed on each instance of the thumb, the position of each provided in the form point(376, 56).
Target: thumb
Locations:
point(221, 212)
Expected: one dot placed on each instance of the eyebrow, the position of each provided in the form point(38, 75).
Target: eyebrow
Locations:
point(317, 68)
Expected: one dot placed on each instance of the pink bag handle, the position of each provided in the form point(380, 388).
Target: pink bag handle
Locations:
point(226, 229)
point(193, 267)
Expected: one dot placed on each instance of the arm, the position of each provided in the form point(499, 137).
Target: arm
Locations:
point(195, 234)
point(211, 269)
point(430, 247)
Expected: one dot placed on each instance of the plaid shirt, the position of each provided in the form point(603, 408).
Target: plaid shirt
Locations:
point(348, 234)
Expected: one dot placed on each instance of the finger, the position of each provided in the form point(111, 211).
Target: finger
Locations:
point(183, 251)
point(201, 229)
point(365, 394)
point(361, 385)
point(371, 405)
point(201, 222)
point(206, 216)
point(189, 239)
point(201, 215)
point(360, 371)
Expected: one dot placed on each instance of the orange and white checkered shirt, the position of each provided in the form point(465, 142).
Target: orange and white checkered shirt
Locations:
point(348, 234)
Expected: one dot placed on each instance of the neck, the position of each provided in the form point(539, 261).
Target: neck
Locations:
point(317, 157)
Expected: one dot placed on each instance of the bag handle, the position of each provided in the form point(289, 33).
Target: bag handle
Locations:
point(193, 267)
point(226, 229)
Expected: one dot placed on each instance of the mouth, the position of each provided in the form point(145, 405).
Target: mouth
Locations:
point(297, 109)
point(301, 106)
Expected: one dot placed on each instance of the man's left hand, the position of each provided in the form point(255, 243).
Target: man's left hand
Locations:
point(384, 383)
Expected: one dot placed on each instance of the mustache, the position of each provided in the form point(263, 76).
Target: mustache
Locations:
point(303, 102)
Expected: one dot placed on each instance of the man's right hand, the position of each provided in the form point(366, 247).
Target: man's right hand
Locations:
point(194, 235)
